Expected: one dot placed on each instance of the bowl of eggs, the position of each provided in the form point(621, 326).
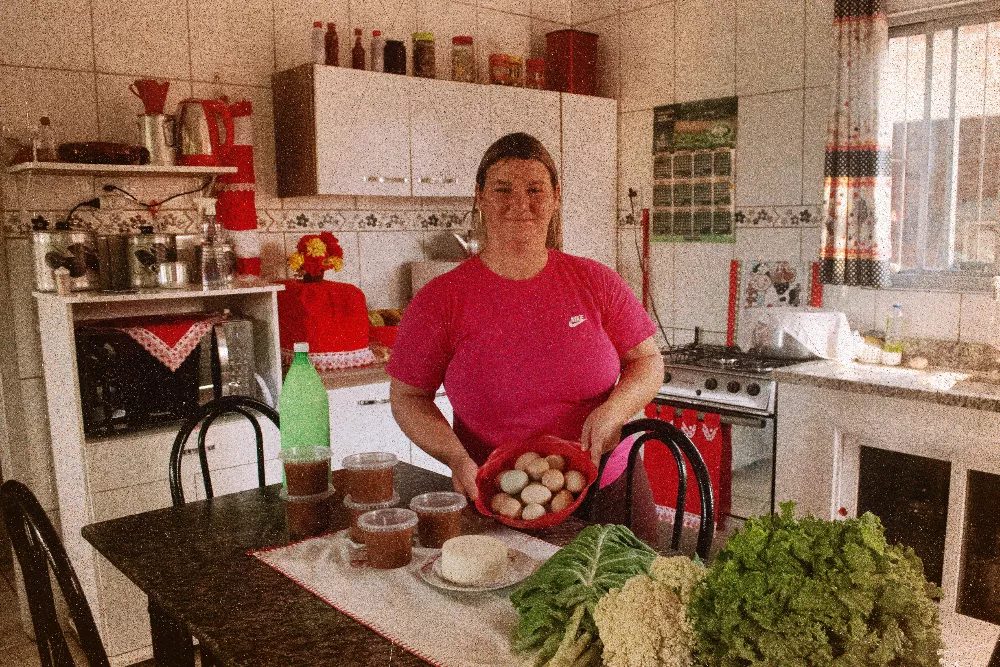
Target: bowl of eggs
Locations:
point(534, 484)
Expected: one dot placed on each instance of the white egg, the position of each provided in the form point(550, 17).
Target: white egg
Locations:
point(535, 493)
point(532, 512)
point(513, 481)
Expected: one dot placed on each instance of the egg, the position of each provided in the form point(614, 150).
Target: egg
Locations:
point(532, 511)
point(537, 468)
point(535, 493)
point(556, 462)
point(553, 480)
point(524, 459)
point(561, 501)
point(513, 481)
point(575, 481)
point(503, 504)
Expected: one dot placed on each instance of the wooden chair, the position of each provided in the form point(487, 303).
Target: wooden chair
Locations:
point(38, 548)
point(206, 415)
point(681, 447)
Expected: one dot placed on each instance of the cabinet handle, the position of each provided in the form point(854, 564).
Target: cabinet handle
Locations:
point(374, 401)
point(386, 179)
point(194, 450)
point(445, 180)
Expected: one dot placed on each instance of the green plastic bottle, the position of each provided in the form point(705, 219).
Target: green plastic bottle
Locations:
point(303, 404)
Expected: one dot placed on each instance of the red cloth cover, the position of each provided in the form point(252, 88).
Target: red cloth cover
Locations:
point(713, 440)
point(236, 206)
point(169, 338)
point(502, 459)
point(330, 316)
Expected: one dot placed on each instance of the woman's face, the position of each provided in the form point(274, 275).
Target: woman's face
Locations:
point(518, 202)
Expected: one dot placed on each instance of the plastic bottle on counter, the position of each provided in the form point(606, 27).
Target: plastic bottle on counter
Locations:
point(43, 143)
point(378, 51)
point(331, 45)
point(892, 349)
point(318, 43)
point(303, 404)
point(358, 53)
point(208, 256)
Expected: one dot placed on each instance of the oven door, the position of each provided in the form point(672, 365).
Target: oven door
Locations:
point(752, 439)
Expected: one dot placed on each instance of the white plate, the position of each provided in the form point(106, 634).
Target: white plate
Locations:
point(520, 567)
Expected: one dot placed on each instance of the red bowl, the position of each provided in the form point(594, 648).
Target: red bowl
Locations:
point(386, 336)
point(503, 459)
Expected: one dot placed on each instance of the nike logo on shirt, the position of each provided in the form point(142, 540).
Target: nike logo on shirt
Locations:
point(577, 320)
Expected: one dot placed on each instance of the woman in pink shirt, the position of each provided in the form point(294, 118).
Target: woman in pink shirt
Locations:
point(526, 340)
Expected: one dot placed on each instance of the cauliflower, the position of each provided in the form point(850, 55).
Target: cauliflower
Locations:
point(644, 624)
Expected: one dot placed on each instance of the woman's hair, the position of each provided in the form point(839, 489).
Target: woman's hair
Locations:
point(519, 146)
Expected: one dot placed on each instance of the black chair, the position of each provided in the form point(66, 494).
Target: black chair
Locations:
point(206, 416)
point(38, 548)
point(681, 447)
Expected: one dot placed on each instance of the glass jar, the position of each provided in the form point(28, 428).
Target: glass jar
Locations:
point(423, 54)
point(395, 57)
point(516, 71)
point(463, 59)
point(500, 69)
point(535, 76)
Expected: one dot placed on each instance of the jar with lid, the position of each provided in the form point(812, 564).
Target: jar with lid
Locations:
point(423, 54)
point(500, 69)
point(535, 74)
point(516, 71)
point(463, 59)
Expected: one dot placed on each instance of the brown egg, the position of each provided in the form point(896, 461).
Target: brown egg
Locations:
point(532, 512)
point(524, 459)
point(506, 505)
point(556, 462)
point(575, 481)
point(553, 480)
point(562, 500)
point(537, 468)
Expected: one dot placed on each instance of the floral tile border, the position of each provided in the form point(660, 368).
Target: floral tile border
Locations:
point(779, 216)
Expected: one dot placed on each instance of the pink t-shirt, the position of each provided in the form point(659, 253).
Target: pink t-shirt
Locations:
point(520, 358)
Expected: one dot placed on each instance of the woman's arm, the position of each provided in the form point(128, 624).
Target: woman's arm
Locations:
point(642, 376)
point(422, 422)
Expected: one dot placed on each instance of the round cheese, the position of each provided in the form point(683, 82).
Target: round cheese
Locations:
point(473, 560)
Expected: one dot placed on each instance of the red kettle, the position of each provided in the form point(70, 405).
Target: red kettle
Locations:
point(204, 132)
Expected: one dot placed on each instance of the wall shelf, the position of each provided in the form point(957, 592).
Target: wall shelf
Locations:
point(156, 294)
point(74, 168)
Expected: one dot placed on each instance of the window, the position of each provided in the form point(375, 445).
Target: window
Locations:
point(941, 95)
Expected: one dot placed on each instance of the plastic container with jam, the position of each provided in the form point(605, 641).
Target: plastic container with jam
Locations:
point(369, 476)
point(357, 509)
point(307, 470)
point(423, 54)
point(440, 515)
point(388, 537)
point(307, 516)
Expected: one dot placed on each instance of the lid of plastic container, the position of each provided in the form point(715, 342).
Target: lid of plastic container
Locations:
point(305, 454)
point(461, 39)
point(376, 33)
point(283, 494)
point(369, 461)
point(423, 37)
point(301, 347)
point(438, 502)
point(368, 507)
point(317, 24)
point(388, 520)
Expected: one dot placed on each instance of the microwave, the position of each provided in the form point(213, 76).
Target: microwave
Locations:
point(123, 388)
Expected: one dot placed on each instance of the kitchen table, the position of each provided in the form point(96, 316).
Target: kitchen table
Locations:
point(193, 564)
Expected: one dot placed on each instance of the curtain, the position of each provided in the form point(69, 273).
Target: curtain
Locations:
point(856, 244)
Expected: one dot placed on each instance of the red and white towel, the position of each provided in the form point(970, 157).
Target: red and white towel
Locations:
point(169, 338)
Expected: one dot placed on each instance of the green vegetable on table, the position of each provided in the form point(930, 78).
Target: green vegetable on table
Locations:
point(556, 604)
point(811, 593)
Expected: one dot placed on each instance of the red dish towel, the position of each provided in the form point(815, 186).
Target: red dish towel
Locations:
point(713, 440)
point(169, 338)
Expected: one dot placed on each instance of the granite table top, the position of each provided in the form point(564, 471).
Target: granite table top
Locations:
point(962, 389)
point(192, 561)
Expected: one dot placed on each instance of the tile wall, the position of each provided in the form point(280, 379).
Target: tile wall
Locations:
point(778, 57)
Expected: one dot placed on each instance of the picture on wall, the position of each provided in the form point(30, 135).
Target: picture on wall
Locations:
point(694, 151)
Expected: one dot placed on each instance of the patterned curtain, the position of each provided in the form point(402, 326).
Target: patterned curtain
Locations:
point(856, 235)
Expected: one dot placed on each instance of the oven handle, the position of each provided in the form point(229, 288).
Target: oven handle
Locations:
point(731, 419)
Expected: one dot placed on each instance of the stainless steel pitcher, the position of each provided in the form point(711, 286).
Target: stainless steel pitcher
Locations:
point(157, 132)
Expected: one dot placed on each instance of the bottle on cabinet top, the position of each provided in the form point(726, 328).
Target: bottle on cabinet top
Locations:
point(358, 53)
point(332, 45)
point(378, 51)
point(318, 43)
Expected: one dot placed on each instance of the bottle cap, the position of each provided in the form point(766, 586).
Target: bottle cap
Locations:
point(423, 37)
point(461, 39)
point(317, 24)
point(376, 33)
point(357, 31)
point(332, 26)
point(44, 120)
point(301, 347)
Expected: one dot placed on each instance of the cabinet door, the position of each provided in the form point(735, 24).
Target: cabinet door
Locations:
point(362, 132)
point(589, 145)
point(449, 133)
point(524, 110)
point(361, 421)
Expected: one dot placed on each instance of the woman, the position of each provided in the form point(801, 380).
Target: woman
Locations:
point(526, 339)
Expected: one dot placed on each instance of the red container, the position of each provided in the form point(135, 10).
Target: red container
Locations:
point(385, 336)
point(571, 62)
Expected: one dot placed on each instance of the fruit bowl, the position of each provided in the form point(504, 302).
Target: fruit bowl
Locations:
point(503, 459)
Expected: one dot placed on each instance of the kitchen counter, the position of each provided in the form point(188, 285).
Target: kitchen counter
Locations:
point(972, 390)
point(354, 377)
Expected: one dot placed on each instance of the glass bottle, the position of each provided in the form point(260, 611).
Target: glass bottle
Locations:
point(463, 60)
point(423, 54)
point(332, 45)
point(892, 349)
point(358, 53)
point(44, 141)
point(378, 51)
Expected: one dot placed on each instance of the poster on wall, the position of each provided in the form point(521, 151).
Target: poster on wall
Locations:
point(694, 151)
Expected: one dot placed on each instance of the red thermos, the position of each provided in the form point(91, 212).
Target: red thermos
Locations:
point(571, 62)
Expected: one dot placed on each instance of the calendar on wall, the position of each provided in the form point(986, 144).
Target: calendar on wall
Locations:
point(694, 156)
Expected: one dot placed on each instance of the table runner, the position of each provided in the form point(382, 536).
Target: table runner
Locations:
point(444, 628)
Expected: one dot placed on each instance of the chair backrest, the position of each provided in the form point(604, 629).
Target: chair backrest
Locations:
point(681, 447)
point(38, 547)
point(206, 415)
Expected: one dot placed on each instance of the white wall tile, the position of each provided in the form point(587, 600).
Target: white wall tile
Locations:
point(608, 31)
point(701, 285)
point(147, 38)
point(583, 11)
point(754, 244)
point(928, 314)
point(630, 5)
point(662, 281)
point(979, 319)
point(811, 239)
point(769, 45)
point(500, 33)
point(556, 11)
point(539, 43)
point(46, 33)
point(118, 109)
point(232, 38)
point(293, 21)
point(395, 18)
point(857, 303)
point(635, 160)
point(817, 111)
point(68, 98)
point(629, 238)
point(769, 150)
point(509, 6)
point(23, 307)
point(821, 47)
point(706, 49)
point(647, 72)
point(446, 19)
point(274, 257)
point(385, 273)
point(320, 203)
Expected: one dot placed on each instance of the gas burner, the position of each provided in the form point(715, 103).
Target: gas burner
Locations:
point(723, 358)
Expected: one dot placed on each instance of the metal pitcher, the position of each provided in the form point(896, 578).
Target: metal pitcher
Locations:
point(157, 131)
point(75, 250)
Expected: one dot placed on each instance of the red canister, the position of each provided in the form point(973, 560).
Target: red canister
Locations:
point(571, 61)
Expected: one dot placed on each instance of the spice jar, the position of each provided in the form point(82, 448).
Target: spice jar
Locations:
point(516, 71)
point(423, 54)
point(369, 477)
point(500, 69)
point(440, 517)
point(388, 536)
point(395, 57)
point(463, 59)
point(535, 75)
point(357, 509)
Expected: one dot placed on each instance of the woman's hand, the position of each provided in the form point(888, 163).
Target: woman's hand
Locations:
point(463, 475)
point(601, 432)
